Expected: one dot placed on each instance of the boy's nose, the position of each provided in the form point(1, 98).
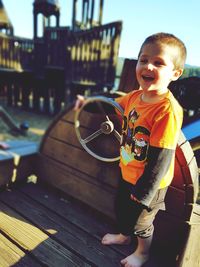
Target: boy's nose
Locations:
point(150, 66)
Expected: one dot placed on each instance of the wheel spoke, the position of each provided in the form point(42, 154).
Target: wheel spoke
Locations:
point(117, 135)
point(102, 110)
point(91, 137)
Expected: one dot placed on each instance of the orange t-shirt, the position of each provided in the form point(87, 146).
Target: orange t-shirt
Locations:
point(145, 124)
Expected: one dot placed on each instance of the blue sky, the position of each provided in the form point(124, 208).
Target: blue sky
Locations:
point(140, 19)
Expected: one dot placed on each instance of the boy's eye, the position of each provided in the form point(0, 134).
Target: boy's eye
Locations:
point(159, 63)
point(143, 60)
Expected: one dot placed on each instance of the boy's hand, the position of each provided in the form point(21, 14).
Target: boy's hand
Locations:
point(142, 205)
point(79, 102)
point(135, 199)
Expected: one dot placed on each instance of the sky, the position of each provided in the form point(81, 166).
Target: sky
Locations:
point(140, 19)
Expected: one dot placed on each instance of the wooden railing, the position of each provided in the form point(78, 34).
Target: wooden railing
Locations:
point(16, 53)
point(61, 63)
point(88, 56)
point(94, 54)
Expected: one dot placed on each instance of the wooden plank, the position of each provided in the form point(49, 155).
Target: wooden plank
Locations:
point(78, 185)
point(11, 255)
point(87, 119)
point(106, 172)
point(105, 145)
point(61, 230)
point(30, 238)
point(68, 208)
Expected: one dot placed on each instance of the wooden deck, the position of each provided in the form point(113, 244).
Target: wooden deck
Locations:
point(41, 227)
point(59, 219)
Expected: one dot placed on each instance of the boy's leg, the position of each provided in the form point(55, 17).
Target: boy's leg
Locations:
point(126, 215)
point(144, 231)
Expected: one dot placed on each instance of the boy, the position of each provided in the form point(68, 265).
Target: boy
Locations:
point(150, 131)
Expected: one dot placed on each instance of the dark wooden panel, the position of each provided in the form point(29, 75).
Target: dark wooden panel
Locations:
point(64, 131)
point(79, 159)
point(6, 171)
point(17, 162)
point(175, 202)
point(170, 233)
point(77, 184)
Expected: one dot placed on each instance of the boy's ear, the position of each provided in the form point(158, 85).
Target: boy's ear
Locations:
point(177, 74)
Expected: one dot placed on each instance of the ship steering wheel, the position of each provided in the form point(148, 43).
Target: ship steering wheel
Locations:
point(104, 123)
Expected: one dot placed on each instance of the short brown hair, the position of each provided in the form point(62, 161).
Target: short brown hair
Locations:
point(171, 40)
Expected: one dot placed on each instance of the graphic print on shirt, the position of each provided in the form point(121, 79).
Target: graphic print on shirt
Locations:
point(135, 139)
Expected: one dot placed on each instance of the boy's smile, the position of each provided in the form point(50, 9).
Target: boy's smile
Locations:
point(155, 68)
point(147, 77)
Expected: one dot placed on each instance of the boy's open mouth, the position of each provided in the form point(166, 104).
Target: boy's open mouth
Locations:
point(147, 78)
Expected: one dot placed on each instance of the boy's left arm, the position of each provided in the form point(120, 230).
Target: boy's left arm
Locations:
point(159, 160)
point(164, 138)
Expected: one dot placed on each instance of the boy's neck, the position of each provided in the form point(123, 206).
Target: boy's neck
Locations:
point(153, 96)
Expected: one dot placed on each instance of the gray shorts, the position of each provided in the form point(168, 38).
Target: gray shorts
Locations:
point(131, 218)
point(144, 226)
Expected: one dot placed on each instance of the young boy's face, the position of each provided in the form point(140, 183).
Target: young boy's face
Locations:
point(155, 67)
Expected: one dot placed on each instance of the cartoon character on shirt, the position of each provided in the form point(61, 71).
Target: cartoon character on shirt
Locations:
point(135, 141)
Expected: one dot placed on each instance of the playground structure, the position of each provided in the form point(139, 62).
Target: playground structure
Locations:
point(44, 73)
point(56, 199)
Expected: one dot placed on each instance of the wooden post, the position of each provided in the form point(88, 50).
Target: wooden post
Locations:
point(101, 12)
point(74, 15)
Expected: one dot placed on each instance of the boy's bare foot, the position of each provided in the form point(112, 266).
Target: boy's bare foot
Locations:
point(115, 239)
point(135, 260)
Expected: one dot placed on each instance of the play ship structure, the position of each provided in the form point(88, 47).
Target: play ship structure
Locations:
point(57, 197)
point(43, 73)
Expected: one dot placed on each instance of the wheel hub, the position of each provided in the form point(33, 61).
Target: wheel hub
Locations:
point(107, 127)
